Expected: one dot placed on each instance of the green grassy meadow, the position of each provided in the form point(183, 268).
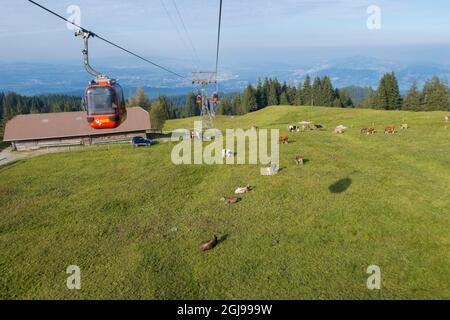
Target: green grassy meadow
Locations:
point(133, 221)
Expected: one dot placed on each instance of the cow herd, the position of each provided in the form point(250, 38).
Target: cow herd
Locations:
point(341, 129)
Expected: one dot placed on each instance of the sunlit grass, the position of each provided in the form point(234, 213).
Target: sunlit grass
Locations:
point(133, 221)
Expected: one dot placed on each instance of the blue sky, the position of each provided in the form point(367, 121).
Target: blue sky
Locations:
point(252, 29)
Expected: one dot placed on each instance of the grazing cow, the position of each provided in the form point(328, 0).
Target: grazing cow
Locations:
point(196, 135)
point(230, 200)
point(447, 118)
point(242, 190)
point(208, 245)
point(364, 130)
point(270, 171)
point(404, 126)
point(226, 153)
point(299, 160)
point(292, 128)
point(340, 129)
point(284, 139)
point(390, 130)
point(371, 131)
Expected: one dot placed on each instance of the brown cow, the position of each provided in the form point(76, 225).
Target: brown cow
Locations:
point(371, 131)
point(284, 139)
point(390, 130)
point(208, 245)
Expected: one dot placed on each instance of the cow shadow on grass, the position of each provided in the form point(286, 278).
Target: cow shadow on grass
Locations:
point(340, 186)
point(222, 239)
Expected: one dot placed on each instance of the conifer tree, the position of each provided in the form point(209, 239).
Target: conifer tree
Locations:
point(272, 98)
point(284, 100)
point(191, 108)
point(249, 103)
point(236, 104)
point(388, 95)
point(307, 96)
point(291, 94)
point(158, 115)
point(139, 100)
point(261, 95)
point(343, 98)
point(435, 95)
point(395, 97)
point(298, 99)
point(225, 107)
point(368, 102)
point(265, 90)
point(317, 98)
point(327, 93)
point(413, 99)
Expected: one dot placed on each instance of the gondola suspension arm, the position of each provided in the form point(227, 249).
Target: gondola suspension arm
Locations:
point(86, 35)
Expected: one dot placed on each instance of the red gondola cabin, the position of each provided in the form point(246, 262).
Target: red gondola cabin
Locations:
point(105, 104)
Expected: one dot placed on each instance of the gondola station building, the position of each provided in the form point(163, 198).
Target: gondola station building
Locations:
point(35, 131)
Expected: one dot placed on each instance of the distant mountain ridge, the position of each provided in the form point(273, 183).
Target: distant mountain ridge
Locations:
point(360, 71)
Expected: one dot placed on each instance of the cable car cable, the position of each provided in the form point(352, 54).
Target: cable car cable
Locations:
point(178, 31)
point(218, 46)
point(186, 31)
point(218, 38)
point(108, 41)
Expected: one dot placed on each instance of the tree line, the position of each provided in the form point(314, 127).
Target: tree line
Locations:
point(434, 96)
point(270, 92)
point(12, 104)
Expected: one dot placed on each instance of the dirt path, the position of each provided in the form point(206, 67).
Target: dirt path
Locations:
point(8, 156)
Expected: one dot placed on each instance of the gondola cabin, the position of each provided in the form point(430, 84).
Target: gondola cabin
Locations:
point(105, 104)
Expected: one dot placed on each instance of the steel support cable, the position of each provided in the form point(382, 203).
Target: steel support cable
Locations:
point(108, 41)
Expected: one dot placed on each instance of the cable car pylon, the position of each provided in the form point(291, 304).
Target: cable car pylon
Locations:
point(204, 79)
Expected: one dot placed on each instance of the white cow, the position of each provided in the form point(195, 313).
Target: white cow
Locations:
point(226, 153)
point(340, 129)
point(270, 171)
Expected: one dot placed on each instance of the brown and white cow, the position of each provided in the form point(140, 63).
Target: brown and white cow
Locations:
point(284, 139)
point(390, 130)
point(299, 160)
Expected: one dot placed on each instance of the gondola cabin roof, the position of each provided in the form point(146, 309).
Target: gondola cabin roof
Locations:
point(68, 124)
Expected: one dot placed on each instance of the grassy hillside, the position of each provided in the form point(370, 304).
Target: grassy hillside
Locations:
point(133, 221)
